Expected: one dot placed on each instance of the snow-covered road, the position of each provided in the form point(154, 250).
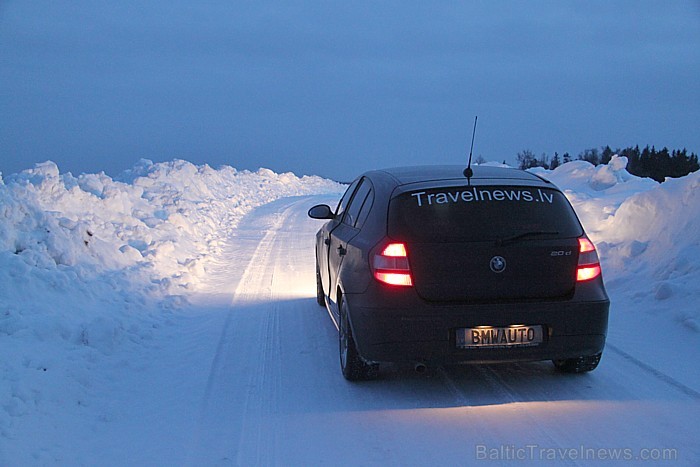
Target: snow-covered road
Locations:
point(254, 380)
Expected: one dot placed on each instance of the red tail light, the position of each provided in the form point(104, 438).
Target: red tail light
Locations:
point(391, 266)
point(588, 263)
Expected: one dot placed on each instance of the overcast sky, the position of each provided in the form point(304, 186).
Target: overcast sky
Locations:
point(337, 88)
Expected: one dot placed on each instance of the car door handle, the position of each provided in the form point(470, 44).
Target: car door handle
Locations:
point(341, 250)
point(327, 241)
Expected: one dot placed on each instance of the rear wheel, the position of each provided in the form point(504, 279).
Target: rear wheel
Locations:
point(578, 364)
point(354, 368)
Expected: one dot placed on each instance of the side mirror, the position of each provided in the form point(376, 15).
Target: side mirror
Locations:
point(321, 211)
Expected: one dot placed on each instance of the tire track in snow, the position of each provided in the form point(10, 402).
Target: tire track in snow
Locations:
point(242, 294)
point(511, 394)
point(231, 431)
point(507, 394)
point(655, 372)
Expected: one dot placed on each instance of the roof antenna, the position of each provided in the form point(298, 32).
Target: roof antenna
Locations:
point(468, 172)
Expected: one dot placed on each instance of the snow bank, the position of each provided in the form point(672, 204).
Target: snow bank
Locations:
point(158, 222)
point(647, 233)
point(90, 263)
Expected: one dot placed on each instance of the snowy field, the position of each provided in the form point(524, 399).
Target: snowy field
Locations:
point(168, 317)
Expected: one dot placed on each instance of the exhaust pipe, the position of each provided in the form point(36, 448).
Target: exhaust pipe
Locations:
point(420, 368)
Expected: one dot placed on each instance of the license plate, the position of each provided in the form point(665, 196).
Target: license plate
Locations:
point(499, 337)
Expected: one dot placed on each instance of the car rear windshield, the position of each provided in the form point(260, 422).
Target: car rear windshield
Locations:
point(478, 213)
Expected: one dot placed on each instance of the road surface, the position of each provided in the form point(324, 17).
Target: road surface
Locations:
point(250, 376)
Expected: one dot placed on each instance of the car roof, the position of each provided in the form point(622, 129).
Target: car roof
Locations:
point(428, 173)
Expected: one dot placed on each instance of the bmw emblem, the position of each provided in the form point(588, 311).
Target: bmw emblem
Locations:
point(498, 264)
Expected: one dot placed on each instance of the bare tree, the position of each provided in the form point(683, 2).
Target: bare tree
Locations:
point(526, 159)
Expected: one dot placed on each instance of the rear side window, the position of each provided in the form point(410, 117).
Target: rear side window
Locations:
point(343, 204)
point(364, 212)
point(478, 213)
point(357, 209)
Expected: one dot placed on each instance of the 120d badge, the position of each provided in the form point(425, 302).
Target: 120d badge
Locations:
point(560, 253)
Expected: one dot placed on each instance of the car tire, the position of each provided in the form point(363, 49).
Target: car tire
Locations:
point(579, 364)
point(320, 296)
point(353, 367)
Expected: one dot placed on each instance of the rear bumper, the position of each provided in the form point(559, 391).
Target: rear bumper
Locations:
point(418, 331)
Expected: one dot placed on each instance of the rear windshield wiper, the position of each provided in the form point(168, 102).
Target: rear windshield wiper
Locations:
point(532, 233)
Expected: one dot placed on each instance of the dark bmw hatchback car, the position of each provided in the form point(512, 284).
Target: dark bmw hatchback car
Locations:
point(422, 265)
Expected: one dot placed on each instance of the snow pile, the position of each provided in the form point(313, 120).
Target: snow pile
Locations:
point(648, 234)
point(90, 263)
point(159, 222)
